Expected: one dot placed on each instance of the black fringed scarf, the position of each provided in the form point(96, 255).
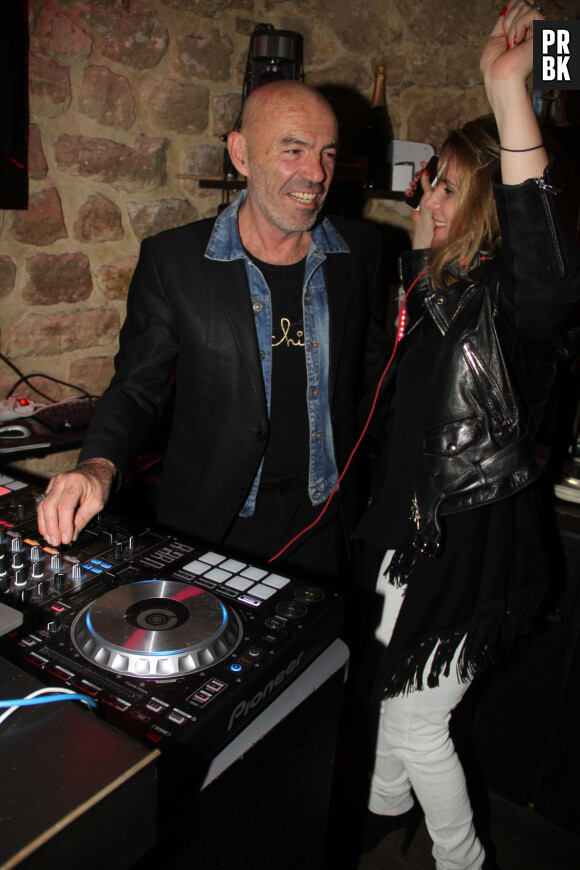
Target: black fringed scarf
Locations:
point(485, 586)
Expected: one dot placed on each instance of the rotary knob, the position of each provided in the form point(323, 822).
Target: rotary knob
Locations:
point(56, 562)
point(16, 545)
point(58, 580)
point(37, 570)
point(17, 560)
point(20, 577)
point(77, 574)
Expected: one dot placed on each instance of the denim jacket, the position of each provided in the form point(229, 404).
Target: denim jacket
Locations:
point(225, 244)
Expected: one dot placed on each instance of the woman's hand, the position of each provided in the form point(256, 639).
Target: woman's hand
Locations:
point(506, 62)
point(508, 52)
point(423, 223)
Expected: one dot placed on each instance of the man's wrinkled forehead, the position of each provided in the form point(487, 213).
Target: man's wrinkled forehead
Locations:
point(285, 103)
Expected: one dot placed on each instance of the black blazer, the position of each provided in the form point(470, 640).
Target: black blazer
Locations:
point(192, 316)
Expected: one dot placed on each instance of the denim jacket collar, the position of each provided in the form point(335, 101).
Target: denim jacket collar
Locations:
point(225, 242)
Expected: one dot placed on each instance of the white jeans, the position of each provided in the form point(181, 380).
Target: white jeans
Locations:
point(415, 750)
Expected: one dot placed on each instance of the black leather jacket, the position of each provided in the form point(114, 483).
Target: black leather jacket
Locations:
point(493, 331)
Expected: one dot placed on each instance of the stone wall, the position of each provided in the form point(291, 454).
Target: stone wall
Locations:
point(128, 99)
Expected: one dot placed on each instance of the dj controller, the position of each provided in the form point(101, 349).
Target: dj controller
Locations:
point(178, 644)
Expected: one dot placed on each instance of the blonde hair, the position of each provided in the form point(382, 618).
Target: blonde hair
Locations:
point(474, 151)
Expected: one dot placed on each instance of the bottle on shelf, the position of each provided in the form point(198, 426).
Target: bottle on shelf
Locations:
point(379, 136)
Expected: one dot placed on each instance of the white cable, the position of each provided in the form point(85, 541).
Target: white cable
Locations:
point(56, 695)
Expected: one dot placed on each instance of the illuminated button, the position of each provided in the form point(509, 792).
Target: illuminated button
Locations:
point(291, 609)
point(212, 558)
point(156, 706)
point(233, 565)
point(254, 573)
point(276, 581)
point(247, 599)
point(196, 567)
point(178, 716)
point(35, 659)
point(236, 668)
point(88, 688)
point(231, 593)
point(275, 623)
point(309, 594)
point(217, 575)
point(61, 673)
point(214, 686)
point(30, 640)
point(239, 583)
point(263, 592)
point(117, 703)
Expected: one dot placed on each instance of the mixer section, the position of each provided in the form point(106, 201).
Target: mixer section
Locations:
point(176, 643)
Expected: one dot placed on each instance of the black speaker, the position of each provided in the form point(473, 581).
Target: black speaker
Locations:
point(14, 105)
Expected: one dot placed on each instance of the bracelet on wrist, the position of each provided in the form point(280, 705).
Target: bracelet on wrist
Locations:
point(521, 150)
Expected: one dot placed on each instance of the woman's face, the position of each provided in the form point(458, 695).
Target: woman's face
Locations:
point(440, 203)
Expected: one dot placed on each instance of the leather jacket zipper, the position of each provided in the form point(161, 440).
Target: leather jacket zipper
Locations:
point(545, 189)
point(496, 402)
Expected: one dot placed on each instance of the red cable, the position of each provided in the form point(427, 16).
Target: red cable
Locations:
point(402, 319)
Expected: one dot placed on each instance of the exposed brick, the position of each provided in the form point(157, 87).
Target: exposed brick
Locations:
point(142, 167)
point(92, 374)
point(49, 86)
point(43, 222)
point(107, 98)
point(203, 160)
point(52, 334)
point(99, 220)
point(129, 31)
point(209, 8)
point(57, 278)
point(63, 36)
point(174, 105)
point(225, 111)
point(148, 218)
point(203, 55)
point(37, 166)
point(113, 279)
point(7, 275)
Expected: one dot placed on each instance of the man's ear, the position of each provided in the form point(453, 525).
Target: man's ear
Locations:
point(238, 148)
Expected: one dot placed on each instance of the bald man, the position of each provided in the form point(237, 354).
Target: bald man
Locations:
point(270, 321)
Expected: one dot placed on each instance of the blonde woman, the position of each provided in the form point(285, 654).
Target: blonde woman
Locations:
point(455, 512)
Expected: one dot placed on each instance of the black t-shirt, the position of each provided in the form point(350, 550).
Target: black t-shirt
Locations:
point(288, 450)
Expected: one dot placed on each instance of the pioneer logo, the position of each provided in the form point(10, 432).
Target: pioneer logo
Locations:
point(244, 707)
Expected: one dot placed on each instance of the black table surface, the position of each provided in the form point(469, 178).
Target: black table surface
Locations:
point(60, 763)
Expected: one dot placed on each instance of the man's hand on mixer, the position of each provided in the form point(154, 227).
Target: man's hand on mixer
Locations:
point(72, 499)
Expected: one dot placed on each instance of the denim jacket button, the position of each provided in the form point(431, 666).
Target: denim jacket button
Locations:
point(262, 355)
point(440, 300)
point(258, 306)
